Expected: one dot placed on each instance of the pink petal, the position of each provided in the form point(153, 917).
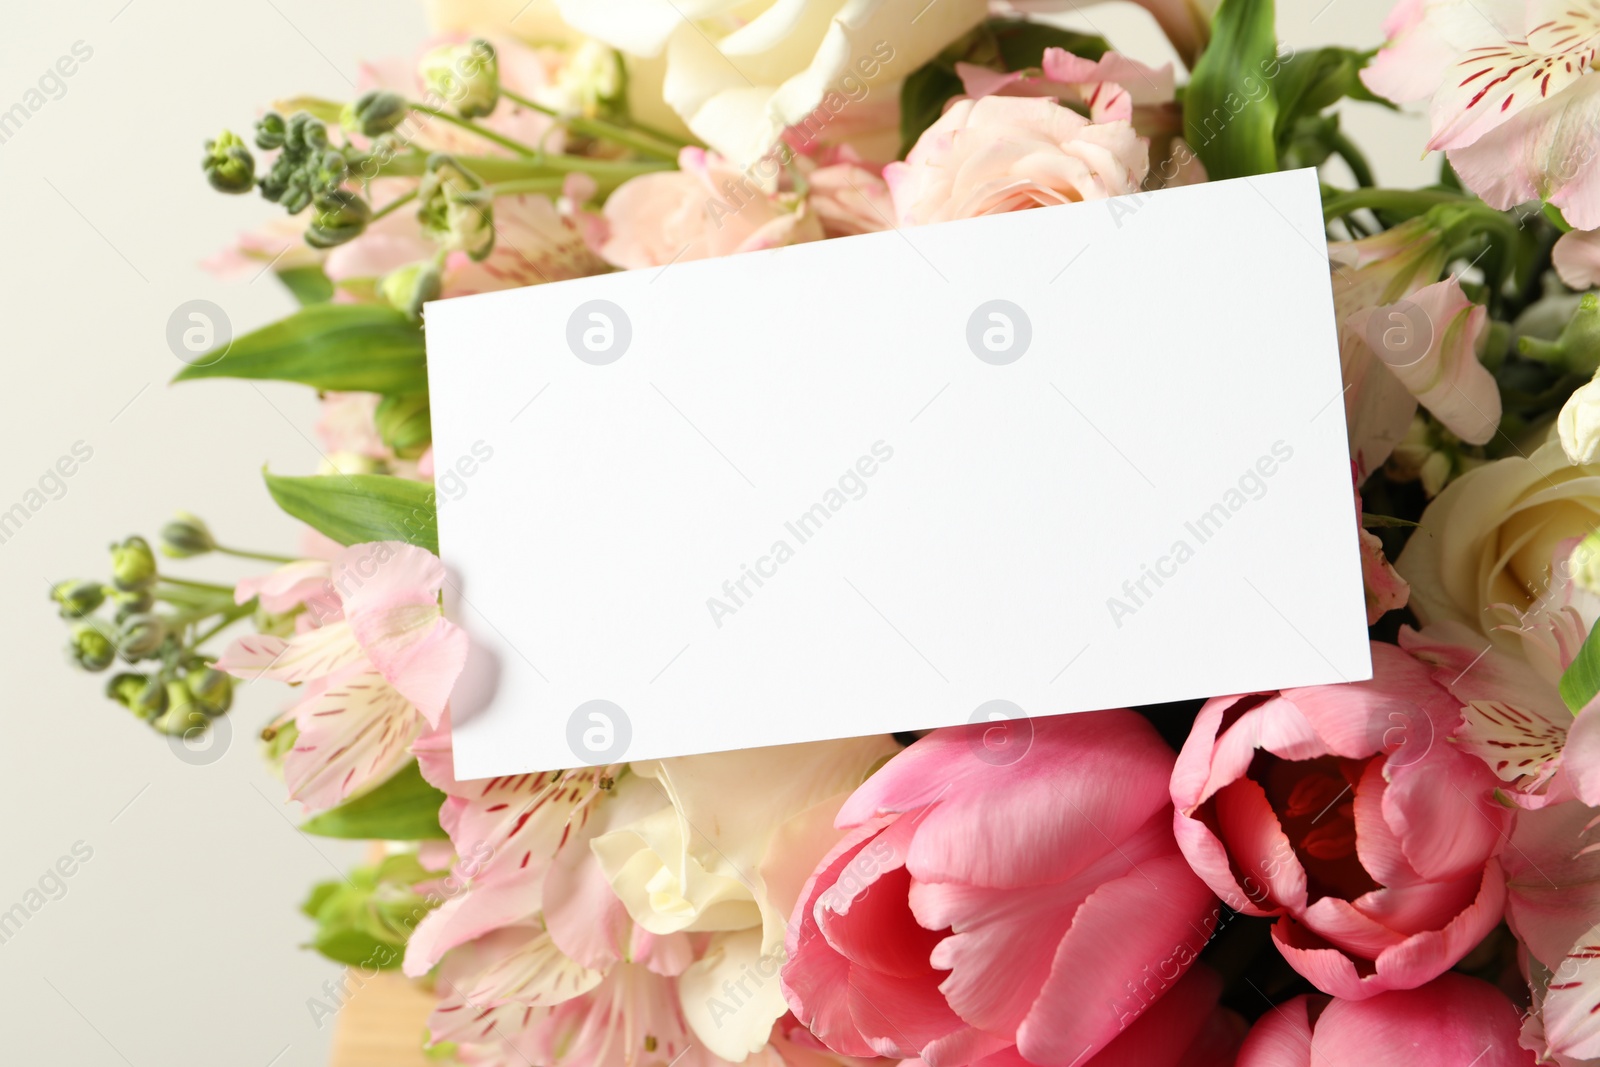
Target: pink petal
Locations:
point(1131, 940)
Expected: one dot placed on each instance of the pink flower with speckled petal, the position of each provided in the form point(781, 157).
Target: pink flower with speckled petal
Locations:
point(1346, 811)
point(372, 672)
point(1552, 905)
point(1513, 100)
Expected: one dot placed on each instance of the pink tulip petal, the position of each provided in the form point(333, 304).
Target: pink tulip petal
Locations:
point(1130, 940)
point(1282, 1036)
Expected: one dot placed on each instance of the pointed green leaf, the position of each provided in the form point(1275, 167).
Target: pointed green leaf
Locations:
point(1231, 108)
point(350, 347)
point(356, 508)
point(1581, 681)
point(404, 808)
point(308, 285)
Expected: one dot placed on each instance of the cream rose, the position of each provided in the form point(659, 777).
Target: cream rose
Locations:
point(1490, 537)
point(727, 852)
point(740, 73)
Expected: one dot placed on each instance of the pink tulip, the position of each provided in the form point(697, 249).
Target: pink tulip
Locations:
point(1347, 812)
point(1023, 904)
point(1453, 1021)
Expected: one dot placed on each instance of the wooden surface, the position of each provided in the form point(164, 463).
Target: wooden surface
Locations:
point(382, 1024)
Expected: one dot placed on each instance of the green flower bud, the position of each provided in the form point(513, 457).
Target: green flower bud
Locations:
point(145, 697)
point(455, 208)
point(229, 166)
point(374, 112)
point(412, 286)
point(211, 689)
point(1578, 348)
point(77, 598)
point(130, 604)
point(182, 714)
point(402, 422)
point(465, 76)
point(338, 217)
point(185, 536)
point(140, 636)
point(133, 567)
point(89, 648)
point(270, 131)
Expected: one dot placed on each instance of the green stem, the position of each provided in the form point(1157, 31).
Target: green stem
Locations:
point(608, 174)
point(209, 586)
point(482, 131)
point(1409, 201)
point(267, 557)
point(227, 619)
point(551, 186)
point(598, 128)
point(397, 202)
point(1353, 158)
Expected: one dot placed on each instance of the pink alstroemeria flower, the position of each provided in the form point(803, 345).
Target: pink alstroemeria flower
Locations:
point(387, 657)
point(1345, 811)
point(1453, 1021)
point(986, 907)
point(522, 843)
point(1553, 906)
point(1512, 717)
point(1512, 100)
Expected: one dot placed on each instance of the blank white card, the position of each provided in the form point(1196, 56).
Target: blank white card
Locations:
point(1059, 460)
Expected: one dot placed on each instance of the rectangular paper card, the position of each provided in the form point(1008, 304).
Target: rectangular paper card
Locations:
point(1058, 460)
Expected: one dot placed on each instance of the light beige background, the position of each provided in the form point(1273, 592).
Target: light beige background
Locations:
point(176, 944)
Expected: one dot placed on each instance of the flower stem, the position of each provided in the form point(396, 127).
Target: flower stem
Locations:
point(482, 131)
point(208, 586)
point(397, 202)
point(265, 556)
point(1412, 201)
point(227, 619)
point(599, 128)
point(517, 186)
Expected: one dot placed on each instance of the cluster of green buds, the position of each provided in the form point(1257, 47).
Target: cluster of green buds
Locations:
point(157, 622)
point(455, 208)
point(310, 171)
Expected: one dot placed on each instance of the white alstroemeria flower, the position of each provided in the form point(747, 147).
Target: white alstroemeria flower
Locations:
point(728, 851)
point(740, 73)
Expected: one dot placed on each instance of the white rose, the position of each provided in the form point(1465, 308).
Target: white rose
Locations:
point(1491, 536)
point(740, 73)
point(728, 851)
point(1579, 424)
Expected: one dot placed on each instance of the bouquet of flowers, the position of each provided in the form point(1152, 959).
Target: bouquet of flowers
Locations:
point(1405, 869)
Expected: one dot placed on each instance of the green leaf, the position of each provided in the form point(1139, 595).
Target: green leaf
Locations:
point(348, 347)
point(325, 110)
point(1022, 43)
point(1230, 109)
point(1581, 681)
point(356, 508)
point(366, 918)
point(403, 808)
point(1311, 81)
point(1001, 44)
point(308, 285)
point(922, 98)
